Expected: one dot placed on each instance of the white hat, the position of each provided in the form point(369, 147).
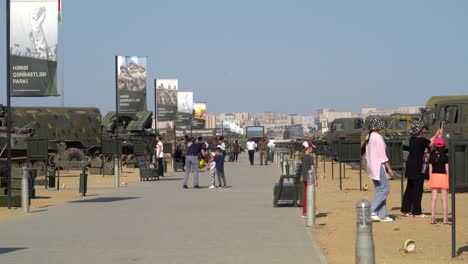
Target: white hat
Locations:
point(308, 144)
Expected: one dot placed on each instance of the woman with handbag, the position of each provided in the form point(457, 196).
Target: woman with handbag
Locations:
point(416, 169)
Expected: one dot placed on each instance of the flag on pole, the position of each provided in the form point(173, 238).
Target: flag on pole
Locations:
point(60, 11)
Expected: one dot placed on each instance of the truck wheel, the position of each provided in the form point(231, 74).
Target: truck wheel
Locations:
point(40, 166)
point(73, 154)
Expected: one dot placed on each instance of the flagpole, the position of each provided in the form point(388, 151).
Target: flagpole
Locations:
point(62, 62)
point(8, 78)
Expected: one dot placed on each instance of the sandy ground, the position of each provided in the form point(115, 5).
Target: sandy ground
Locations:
point(337, 216)
point(69, 184)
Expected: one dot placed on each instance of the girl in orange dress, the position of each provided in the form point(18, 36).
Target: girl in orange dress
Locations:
point(439, 178)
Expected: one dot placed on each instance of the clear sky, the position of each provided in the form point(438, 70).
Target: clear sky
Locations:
point(269, 55)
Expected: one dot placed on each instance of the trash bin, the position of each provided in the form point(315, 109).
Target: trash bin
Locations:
point(51, 179)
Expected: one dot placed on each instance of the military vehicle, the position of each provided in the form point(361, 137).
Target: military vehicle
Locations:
point(344, 129)
point(133, 128)
point(76, 132)
point(398, 126)
point(451, 111)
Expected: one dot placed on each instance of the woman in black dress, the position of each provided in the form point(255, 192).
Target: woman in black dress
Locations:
point(418, 146)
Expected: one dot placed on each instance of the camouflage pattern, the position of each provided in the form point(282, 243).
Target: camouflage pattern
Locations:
point(76, 127)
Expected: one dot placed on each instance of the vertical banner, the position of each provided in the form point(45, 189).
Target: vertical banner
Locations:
point(184, 110)
point(131, 82)
point(199, 116)
point(166, 99)
point(33, 48)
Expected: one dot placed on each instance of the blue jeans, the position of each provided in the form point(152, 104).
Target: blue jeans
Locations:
point(191, 164)
point(382, 190)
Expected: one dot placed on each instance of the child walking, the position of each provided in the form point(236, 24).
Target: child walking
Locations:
point(439, 178)
point(219, 159)
point(212, 169)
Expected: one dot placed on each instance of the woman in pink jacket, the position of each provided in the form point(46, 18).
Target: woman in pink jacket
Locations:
point(377, 168)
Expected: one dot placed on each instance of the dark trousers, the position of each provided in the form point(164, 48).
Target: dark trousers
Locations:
point(251, 156)
point(236, 155)
point(160, 167)
point(221, 177)
point(413, 196)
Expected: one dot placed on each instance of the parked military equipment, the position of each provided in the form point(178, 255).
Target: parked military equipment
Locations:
point(134, 130)
point(451, 112)
point(398, 126)
point(345, 129)
point(72, 132)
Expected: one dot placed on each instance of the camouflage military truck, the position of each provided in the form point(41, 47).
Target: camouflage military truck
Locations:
point(75, 131)
point(134, 127)
point(345, 129)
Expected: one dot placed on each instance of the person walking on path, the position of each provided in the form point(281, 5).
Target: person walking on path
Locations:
point(236, 150)
point(307, 164)
point(439, 178)
point(219, 159)
point(191, 161)
point(251, 146)
point(262, 150)
point(377, 162)
point(418, 152)
point(160, 155)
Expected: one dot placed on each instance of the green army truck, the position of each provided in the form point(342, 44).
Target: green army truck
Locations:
point(345, 129)
point(398, 126)
point(451, 111)
point(134, 130)
point(72, 132)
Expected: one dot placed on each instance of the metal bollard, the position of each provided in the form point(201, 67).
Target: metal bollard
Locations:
point(364, 240)
point(116, 172)
point(83, 181)
point(310, 210)
point(25, 191)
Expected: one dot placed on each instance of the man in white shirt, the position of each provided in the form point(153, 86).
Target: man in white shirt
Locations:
point(160, 155)
point(251, 146)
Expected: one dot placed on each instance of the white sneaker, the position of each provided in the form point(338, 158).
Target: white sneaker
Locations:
point(387, 219)
point(212, 187)
point(375, 217)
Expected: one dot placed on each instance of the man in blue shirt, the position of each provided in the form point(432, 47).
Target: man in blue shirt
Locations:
point(191, 161)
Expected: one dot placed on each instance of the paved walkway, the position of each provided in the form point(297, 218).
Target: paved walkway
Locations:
point(159, 222)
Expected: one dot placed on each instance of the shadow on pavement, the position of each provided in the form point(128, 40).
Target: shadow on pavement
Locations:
point(9, 250)
point(105, 200)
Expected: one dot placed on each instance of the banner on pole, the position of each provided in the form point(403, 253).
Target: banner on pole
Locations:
point(199, 116)
point(33, 48)
point(184, 110)
point(166, 99)
point(131, 72)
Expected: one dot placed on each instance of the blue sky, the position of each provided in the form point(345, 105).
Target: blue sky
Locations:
point(283, 56)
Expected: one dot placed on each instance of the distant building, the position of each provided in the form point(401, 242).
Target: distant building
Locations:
point(210, 121)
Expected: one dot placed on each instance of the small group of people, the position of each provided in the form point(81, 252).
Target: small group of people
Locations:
point(261, 147)
point(195, 150)
point(422, 164)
